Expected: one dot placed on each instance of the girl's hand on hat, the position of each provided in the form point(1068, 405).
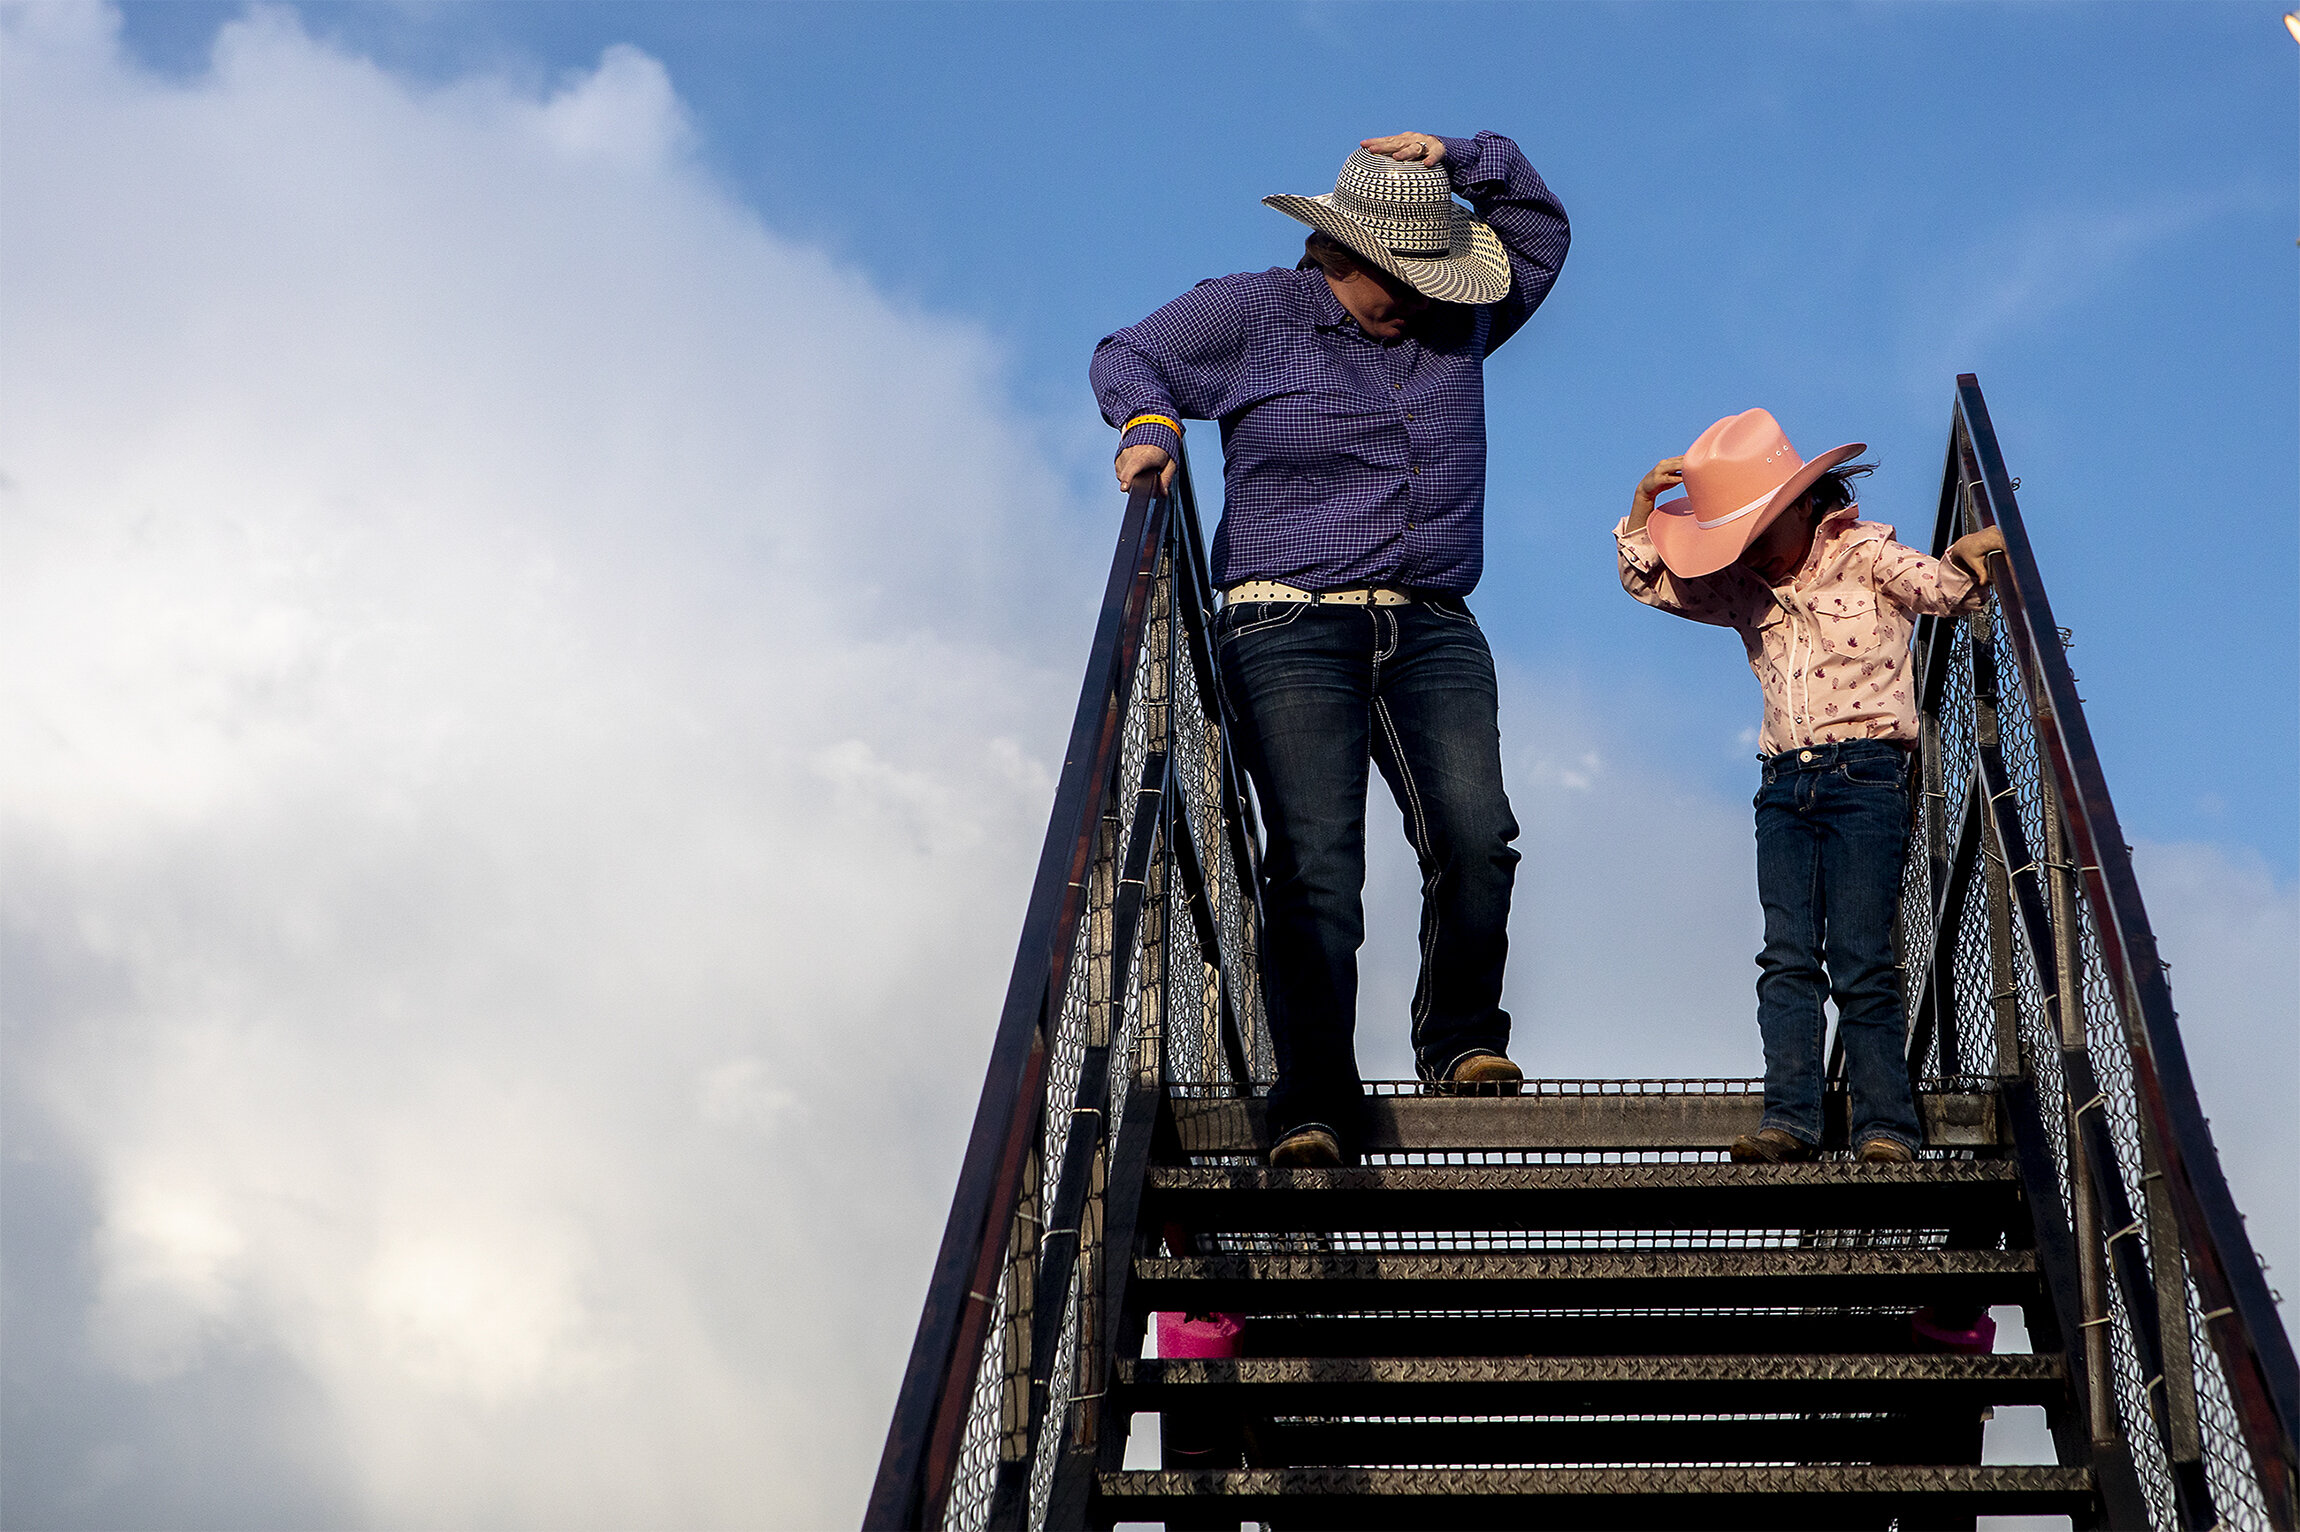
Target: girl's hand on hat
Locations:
point(1973, 550)
point(1663, 477)
point(1422, 148)
point(1142, 458)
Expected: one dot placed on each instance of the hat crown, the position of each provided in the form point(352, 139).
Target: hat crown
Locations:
point(1741, 458)
point(1408, 207)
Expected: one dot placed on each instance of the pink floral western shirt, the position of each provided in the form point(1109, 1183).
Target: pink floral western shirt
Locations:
point(1831, 647)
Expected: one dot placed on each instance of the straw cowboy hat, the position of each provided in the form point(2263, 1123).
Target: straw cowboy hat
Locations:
point(1402, 217)
point(1739, 476)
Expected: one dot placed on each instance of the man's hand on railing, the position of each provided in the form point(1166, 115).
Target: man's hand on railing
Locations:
point(1973, 550)
point(1142, 458)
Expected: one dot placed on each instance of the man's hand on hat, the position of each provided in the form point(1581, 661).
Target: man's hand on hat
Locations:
point(1973, 549)
point(1413, 148)
point(1142, 458)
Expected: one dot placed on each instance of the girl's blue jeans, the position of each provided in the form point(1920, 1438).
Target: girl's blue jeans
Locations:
point(1832, 825)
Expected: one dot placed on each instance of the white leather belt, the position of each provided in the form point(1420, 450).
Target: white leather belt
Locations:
point(1279, 590)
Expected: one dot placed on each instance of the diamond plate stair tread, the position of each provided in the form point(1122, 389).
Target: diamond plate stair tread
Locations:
point(2012, 1367)
point(1579, 1332)
point(1949, 1437)
point(1543, 1118)
point(1829, 1194)
point(1656, 1385)
point(1613, 1496)
point(1696, 1174)
point(1339, 1281)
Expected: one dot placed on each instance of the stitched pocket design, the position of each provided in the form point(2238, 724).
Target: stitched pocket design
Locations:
point(1851, 625)
point(1874, 773)
point(1256, 617)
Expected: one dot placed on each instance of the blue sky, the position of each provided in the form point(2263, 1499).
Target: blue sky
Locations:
point(549, 550)
point(1826, 210)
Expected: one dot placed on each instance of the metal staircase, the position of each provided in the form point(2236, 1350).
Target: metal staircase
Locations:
point(1576, 1316)
point(1563, 1306)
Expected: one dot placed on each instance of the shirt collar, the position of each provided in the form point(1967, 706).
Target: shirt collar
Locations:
point(1833, 526)
point(1326, 308)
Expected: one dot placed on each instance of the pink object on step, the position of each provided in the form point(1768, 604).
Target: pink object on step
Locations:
point(1180, 1335)
point(1980, 1340)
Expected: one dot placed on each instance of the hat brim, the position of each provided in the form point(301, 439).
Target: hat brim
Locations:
point(1692, 550)
point(1474, 269)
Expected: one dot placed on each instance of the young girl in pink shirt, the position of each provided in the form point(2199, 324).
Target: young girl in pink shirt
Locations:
point(1773, 547)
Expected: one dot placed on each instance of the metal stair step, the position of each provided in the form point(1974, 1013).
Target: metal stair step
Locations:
point(1616, 1497)
point(1967, 1195)
point(1309, 1443)
point(1312, 1283)
point(1576, 1332)
point(1549, 1115)
point(1553, 1385)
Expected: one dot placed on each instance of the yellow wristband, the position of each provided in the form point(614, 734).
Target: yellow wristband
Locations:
point(1168, 421)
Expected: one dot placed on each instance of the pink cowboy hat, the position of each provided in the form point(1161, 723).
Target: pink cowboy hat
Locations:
point(1739, 476)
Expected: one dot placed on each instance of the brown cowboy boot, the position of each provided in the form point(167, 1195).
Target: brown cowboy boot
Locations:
point(1486, 1074)
point(1886, 1151)
point(1769, 1146)
point(1311, 1148)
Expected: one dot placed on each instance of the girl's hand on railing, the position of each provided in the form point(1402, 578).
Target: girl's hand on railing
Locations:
point(1973, 550)
point(1142, 458)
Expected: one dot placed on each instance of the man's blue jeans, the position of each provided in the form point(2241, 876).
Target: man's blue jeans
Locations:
point(1832, 824)
point(1315, 693)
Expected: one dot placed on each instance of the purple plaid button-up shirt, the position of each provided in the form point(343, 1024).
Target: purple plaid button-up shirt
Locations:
point(1347, 460)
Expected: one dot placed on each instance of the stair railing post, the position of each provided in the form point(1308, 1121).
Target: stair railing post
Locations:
point(1023, 1405)
point(2004, 986)
point(1150, 969)
point(2078, 1313)
point(2183, 1434)
point(2155, 1308)
point(1021, 1278)
point(2084, 1198)
point(1933, 817)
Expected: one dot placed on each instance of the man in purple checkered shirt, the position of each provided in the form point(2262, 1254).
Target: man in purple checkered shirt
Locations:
point(1351, 392)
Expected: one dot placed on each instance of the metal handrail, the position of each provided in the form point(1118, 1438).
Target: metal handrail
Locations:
point(930, 1407)
point(2239, 1312)
point(1044, 1188)
point(2016, 845)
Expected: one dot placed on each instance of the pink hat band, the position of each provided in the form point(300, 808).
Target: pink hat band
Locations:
point(1729, 517)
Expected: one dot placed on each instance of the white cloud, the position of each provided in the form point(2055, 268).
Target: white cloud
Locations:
point(2231, 932)
point(514, 810)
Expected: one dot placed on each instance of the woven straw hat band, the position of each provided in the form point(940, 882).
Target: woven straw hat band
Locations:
point(1408, 207)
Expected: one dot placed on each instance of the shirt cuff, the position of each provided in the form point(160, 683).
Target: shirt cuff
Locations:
point(1160, 431)
point(1461, 156)
point(1963, 592)
point(1636, 547)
